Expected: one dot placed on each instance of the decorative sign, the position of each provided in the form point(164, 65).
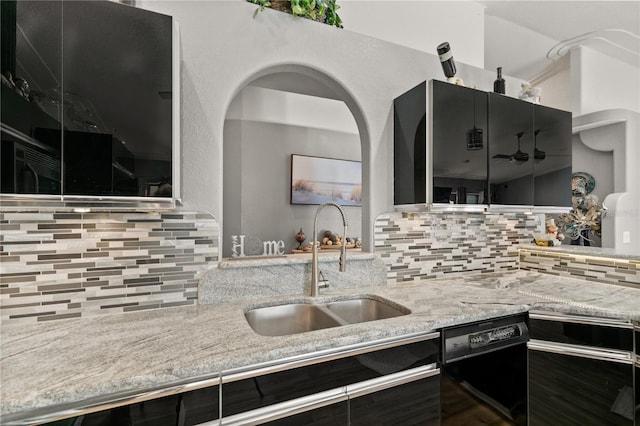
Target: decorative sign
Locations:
point(242, 246)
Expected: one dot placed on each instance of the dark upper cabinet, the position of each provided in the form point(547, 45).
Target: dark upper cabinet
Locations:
point(510, 151)
point(530, 153)
point(552, 168)
point(410, 146)
point(459, 149)
point(30, 164)
point(486, 149)
point(97, 116)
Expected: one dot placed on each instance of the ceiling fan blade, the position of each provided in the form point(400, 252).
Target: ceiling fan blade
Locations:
point(520, 157)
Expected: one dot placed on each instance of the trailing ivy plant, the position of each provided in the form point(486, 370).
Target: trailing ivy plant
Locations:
point(318, 10)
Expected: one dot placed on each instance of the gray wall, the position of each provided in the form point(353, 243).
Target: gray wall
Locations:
point(257, 179)
point(224, 47)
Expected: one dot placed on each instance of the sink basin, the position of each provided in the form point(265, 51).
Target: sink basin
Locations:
point(292, 318)
point(362, 310)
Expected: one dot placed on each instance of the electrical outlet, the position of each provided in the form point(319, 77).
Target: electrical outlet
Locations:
point(626, 237)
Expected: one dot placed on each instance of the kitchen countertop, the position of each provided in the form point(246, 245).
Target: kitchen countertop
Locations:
point(61, 364)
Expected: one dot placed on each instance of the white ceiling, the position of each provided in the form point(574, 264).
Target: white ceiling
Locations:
point(519, 35)
point(545, 24)
point(561, 20)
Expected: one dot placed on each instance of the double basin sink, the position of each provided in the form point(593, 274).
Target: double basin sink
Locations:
point(293, 318)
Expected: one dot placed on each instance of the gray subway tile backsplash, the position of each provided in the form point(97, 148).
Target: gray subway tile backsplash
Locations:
point(419, 245)
point(56, 265)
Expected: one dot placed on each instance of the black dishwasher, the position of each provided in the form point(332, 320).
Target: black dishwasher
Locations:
point(580, 370)
point(484, 372)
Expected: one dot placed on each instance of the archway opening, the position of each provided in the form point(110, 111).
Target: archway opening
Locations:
point(283, 112)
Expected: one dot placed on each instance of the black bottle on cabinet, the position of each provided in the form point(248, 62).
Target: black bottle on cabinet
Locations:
point(446, 59)
point(498, 85)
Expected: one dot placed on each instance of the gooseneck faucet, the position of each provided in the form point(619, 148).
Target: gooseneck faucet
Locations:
point(315, 271)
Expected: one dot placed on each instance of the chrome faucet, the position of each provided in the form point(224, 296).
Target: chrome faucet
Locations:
point(315, 271)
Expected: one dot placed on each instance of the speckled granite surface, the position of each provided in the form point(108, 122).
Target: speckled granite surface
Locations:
point(44, 366)
point(255, 277)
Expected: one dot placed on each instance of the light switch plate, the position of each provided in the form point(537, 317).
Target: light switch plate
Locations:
point(626, 237)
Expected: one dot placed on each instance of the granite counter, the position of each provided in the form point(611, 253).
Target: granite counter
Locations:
point(49, 366)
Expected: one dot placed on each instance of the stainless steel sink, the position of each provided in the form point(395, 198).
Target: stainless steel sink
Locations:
point(362, 310)
point(292, 318)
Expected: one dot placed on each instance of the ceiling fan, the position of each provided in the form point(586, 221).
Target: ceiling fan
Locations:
point(538, 154)
point(518, 156)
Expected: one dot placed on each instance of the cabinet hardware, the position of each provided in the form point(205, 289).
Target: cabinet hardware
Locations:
point(283, 409)
point(392, 380)
point(581, 351)
point(322, 356)
point(605, 322)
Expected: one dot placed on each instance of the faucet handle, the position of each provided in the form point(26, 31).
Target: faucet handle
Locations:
point(322, 282)
point(342, 263)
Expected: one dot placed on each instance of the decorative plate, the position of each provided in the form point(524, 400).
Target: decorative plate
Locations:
point(582, 183)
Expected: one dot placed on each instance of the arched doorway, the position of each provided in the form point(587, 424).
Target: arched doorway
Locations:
point(282, 111)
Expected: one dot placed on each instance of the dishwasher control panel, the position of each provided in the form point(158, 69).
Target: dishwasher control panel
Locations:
point(483, 336)
point(494, 335)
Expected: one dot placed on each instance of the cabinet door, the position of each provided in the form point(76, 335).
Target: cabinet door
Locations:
point(252, 393)
point(637, 376)
point(114, 98)
point(331, 415)
point(511, 151)
point(186, 409)
point(414, 403)
point(31, 163)
point(637, 394)
point(459, 144)
point(603, 335)
point(552, 165)
point(410, 147)
point(572, 390)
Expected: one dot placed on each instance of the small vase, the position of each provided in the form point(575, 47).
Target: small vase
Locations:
point(300, 237)
point(582, 240)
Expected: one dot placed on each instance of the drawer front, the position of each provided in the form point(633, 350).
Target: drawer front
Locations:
point(331, 415)
point(592, 334)
point(264, 390)
point(566, 389)
point(415, 403)
point(406, 397)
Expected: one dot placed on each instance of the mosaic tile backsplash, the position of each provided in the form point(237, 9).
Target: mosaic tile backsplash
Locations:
point(56, 265)
point(419, 245)
point(624, 272)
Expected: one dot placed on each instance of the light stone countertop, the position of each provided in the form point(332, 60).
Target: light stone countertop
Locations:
point(49, 366)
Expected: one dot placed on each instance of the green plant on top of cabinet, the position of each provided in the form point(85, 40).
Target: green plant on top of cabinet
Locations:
point(324, 11)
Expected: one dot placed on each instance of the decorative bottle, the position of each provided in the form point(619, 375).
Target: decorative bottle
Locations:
point(446, 59)
point(498, 85)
